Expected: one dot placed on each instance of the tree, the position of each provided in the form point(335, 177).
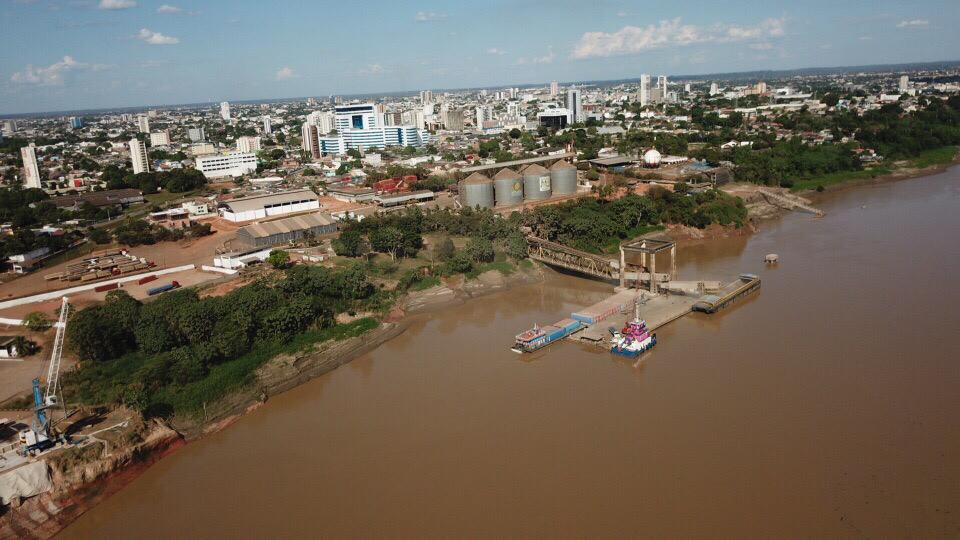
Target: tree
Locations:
point(278, 258)
point(25, 347)
point(480, 250)
point(444, 249)
point(515, 133)
point(387, 240)
point(99, 236)
point(37, 322)
point(93, 334)
point(349, 244)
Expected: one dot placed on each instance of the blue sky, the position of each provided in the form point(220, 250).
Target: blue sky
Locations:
point(76, 54)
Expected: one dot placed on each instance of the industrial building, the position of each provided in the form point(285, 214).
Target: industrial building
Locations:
point(397, 199)
point(110, 197)
point(508, 187)
point(283, 231)
point(276, 204)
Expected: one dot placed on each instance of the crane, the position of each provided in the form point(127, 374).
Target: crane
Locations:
point(40, 435)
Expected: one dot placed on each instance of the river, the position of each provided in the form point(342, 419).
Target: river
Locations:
point(826, 405)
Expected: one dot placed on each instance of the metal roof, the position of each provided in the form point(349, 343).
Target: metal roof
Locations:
point(518, 162)
point(257, 202)
point(286, 225)
point(509, 174)
point(612, 161)
point(477, 178)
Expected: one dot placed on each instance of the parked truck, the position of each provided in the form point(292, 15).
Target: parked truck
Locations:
point(163, 288)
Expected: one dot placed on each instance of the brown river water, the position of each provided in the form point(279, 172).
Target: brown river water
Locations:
point(826, 405)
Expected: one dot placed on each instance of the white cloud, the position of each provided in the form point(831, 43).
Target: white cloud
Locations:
point(545, 59)
point(761, 46)
point(285, 73)
point(496, 51)
point(915, 23)
point(117, 4)
point(671, 33)
point(156, 38)
point(425, 16)
point(53, 75)
point(167, 8)
point(372, 69)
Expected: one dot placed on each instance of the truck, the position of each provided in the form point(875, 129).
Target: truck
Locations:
point(163, 288)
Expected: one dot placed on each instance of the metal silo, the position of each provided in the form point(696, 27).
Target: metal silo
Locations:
point(508, 187)
point(563, 176)
point(477, 190)
point(536, 183)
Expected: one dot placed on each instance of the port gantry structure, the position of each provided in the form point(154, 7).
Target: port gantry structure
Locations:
point(555, 254)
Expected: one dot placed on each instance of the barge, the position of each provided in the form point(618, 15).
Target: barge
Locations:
point(539, 337)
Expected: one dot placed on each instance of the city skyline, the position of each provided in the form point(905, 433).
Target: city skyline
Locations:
point(124, 53)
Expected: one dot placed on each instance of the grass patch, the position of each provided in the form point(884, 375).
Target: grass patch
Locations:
point(831, 179)
point(613, 244)
point(938, 156)
point(425, 283)
point(503, 267)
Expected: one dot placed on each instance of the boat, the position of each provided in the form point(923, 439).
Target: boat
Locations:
point(633, 339)
point(539, 337)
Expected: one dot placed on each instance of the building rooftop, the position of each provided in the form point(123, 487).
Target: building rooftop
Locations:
point(286, 225)
point(259, 201)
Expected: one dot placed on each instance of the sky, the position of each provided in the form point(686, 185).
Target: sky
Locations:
point(80, 54)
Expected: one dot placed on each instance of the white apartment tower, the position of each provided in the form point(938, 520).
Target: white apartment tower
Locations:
point(143, 124)
point(225, 110)
point(138, 155)
point(662, 84)
point(267, 127)
point(554, 88)
point(248, 144)
point(31, 171)
point(311, 140)
point(644, 89)
point(160, 138)
point(714, 90)
point(904, 83)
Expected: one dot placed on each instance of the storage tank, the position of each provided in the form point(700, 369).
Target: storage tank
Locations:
point(536, 183)
point(477, 190)
point(651, 158)
point(563, 177)
point(508, 187)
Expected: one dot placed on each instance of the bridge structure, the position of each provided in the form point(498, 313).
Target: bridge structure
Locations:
point(622, 270)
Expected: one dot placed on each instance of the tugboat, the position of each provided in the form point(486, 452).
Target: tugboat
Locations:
point(633, 339)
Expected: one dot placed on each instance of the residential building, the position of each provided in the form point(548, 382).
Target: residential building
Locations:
point(76, 122)
point(644, 89)
point(426, 96)
point(714, 90)
point(904, 84)
point(323, 120)
point(143, 124)
point(225, 110)
point(248, 144)
point(662, 84)
point(229, 164)
point(275, 204)
point(575, 106)
point(160, 138)
point(554, 88)
point(31, 170)
point(138, 156)
point(311, 140)
point(267, 127)
point(484, 113)
point(196, 134)
point(202, 149)
point(554, 118)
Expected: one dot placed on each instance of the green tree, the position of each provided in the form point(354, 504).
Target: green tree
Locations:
point(278, 258)
point(37, 322)
point(387, 240)
point(350, 243)
point(444, 249)
point(480, 250)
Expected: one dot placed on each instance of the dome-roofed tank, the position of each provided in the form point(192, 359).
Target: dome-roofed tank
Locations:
point(536, 183)
point(651, 158)
point(508, 187)
point(563, 177)
point(477, 190)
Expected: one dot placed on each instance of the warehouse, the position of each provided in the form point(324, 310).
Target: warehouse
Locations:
point(276, 204)
point(396, 199)
point(282, 231)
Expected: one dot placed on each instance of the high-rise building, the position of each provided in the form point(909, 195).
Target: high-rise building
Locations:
point(686, 88)
point(483, 114)
point(761, 88)
point(358, 116)
point(160, 138)
point(225, 110)
point(229, 164)
point(143, 124)
point(714, 90)
point(196, 134)
point(644, 89)
point(267, 126)
point(76, 122)
point(248, 144)
point(415, 118)
point(662, 83)
point(453, 119)
point(575, 105)
point(152, 113)
point(554, 88)
point(904, 83)
point(138, 156)
point(311, 140)
point(426, 96)
point(10, 126)
point(31, 171)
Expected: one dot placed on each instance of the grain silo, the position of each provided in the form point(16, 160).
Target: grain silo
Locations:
point(508, 187)
point(536, 183)
point(477, 190)
point(563, 177)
